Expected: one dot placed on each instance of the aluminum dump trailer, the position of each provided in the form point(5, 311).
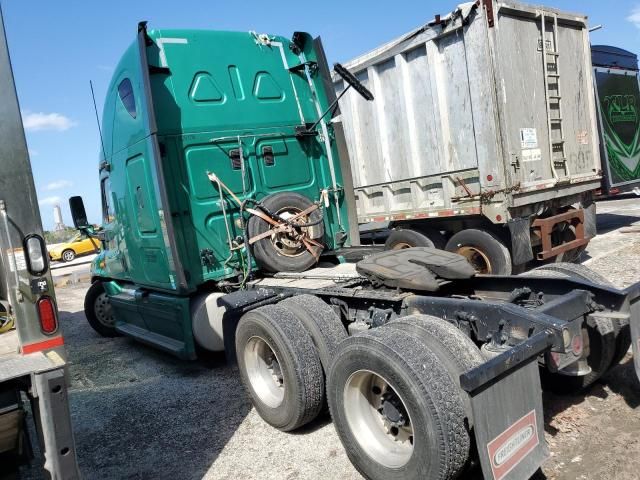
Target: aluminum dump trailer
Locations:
point(483, 119)
point(616, 77)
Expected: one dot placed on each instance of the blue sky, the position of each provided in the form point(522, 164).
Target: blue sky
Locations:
point(58, 46)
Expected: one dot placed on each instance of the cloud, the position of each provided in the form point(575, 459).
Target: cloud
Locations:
point(58, 184)
point(50, 201)
point(634, 17)
point(35, 121)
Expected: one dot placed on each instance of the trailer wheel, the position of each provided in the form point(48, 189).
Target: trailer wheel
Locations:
point(282, 252)
point(98, 310)
point(396, 409)
point(322, 323)
point(407, 238)
point(458, 352)
point(483, 249)
point(572, 270)
point(600, 340)
point(279, 367)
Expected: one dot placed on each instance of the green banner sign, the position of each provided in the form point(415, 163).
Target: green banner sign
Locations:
point(620, 112)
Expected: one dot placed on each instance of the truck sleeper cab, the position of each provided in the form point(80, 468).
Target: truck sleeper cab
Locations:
point(201, 128)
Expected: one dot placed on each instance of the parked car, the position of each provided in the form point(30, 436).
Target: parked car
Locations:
point(78, 244)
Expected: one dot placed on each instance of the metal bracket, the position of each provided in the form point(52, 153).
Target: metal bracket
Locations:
point(488, 6)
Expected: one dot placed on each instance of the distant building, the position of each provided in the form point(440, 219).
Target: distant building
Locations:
point(57, 219)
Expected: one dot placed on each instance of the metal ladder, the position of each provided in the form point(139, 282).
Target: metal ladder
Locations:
point(551, 66)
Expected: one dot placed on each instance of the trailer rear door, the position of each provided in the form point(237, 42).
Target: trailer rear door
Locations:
point(548, 120)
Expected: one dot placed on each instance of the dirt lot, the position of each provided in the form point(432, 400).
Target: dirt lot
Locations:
point(140, 414)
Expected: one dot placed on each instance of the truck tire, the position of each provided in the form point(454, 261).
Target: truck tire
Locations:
point(279, 366)
point(407, 238)
point(322, 323)
point(483, 249)
point(458, 352)
point(582, 272)
point(281, 252)
point(603, 336)
point(396, 409)
point(98, 310)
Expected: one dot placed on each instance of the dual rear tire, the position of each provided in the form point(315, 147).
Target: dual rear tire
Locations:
point(393, 391)
point(283, 352)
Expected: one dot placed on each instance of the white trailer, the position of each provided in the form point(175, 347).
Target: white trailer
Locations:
point(32, 355)
point(484, 130)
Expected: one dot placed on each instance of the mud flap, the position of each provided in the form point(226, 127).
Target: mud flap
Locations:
point(508, 424)
point(634, 322)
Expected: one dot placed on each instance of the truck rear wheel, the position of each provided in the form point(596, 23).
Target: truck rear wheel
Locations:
point(279, 367)
point(458, 352)
point(601, 339)
point(283, 252)
point(98, 310)
point(483, 249)
point(396, 408)
point(322, 323)
point(622, 331)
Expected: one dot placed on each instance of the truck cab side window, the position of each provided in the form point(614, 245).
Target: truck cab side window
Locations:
point(125, 92)
point(108, 214)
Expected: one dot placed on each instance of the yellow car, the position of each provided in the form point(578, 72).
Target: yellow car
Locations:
point(79, 244)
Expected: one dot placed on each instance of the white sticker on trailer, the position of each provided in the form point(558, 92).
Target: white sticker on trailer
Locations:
point(532, 155)
point(528, 138)
point(16, 258)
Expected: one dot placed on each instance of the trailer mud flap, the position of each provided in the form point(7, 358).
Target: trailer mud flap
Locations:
point(508, 424)
point(634, 322)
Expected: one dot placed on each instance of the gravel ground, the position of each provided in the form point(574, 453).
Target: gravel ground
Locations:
point(140, 414)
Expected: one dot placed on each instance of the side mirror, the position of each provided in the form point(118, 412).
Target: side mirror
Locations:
point(78, 213)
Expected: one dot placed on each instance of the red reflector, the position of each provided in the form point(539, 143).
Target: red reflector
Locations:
point(47, 314)
point(44, 345)
point(576, 345)
point(614, 191)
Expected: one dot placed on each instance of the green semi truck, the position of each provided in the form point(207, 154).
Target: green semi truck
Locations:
point(227, 214)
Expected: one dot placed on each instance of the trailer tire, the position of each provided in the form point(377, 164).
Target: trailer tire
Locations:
point(388, 366)
point(483, 249)
point(407, 238)
point(98, 310)
point(322, 323)
point(622, 332)
point(281, 253)
point(279, 366)
point(458, 352)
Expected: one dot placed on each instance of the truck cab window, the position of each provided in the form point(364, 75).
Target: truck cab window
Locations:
point(108, 214)
point(125, 92)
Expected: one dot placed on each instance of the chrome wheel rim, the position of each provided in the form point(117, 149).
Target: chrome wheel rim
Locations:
point(103, 310)
point(378, 419)
point(264, 372)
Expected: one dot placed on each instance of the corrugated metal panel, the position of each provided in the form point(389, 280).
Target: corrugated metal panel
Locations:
point(462, 108)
